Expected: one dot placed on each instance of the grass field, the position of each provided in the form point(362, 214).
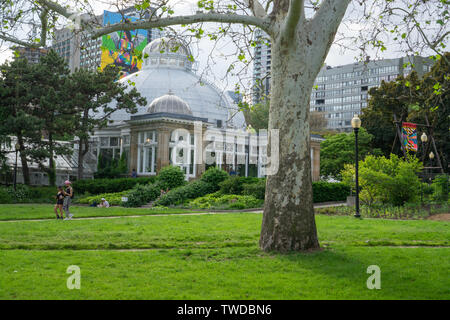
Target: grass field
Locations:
point(45, 211)
point(217, 257)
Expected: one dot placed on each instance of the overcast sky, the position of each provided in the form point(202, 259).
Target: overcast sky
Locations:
point(217, 70)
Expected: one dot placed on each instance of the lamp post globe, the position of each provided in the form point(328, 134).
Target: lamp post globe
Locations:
point(424, 137)
point(356, 124)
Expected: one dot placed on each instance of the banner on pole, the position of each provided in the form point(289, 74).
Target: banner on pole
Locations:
point(409, 133)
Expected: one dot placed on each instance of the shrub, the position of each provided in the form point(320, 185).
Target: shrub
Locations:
point(179, 195)
point(408, 211)
point(97, 186)
point(440, 187)
point(170, 177)
point(232, 185)
point(5, 197)
point(235, 184)
point(26, 194)
point(142, 194)
point(386, 181)
point(328, 191)
point(214, 176)
point(257, 190)
point(114, 199)
point(228, 201)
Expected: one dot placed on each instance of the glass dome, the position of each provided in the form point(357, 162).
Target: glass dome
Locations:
point(171, 104)
point(168, 52)
point(172, 72)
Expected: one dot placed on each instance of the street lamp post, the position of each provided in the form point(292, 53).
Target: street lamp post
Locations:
point(17, 147)
point(431, 155)
point(356, 124)
point(424, 139)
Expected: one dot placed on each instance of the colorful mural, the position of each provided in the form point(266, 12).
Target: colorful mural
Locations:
point(122, 48)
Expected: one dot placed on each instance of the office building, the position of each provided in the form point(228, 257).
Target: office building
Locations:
point(33, 55)
point(339, 92)
point(342, 91)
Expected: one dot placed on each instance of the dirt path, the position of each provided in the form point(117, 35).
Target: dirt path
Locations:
point(440, 217)
point(324, 205)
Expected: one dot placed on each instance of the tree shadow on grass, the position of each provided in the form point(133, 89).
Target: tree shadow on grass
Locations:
point(406, 273)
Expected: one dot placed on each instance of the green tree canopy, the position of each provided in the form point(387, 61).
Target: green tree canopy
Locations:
point(384, 180)
point(339, 149)
point(91, 97)
point(415, 100)
point(17, 115)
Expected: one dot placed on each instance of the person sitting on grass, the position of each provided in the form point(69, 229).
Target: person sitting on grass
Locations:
point(59, 203)
point(103, 203)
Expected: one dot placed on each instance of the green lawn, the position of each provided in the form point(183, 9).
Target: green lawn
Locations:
point(217, 257)
point(45, 211)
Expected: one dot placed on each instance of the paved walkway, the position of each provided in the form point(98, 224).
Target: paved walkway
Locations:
point(322, 205)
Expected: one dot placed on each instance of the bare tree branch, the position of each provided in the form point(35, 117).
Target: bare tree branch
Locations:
point(44, 27)
point(294, 15)
point(182, 20)
point(328, 18)
point(256, 8)
point(19, 42)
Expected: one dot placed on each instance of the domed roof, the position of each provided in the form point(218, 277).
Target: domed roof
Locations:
point(167, 45)
point(169, 103)
point(167, 52)
point(171, 71)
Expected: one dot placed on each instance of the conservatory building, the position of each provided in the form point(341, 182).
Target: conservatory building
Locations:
point(188, 122)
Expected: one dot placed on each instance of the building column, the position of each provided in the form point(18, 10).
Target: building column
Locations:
point(200, 145)
point(162, 159)
point(133, 151)
point(316, 161)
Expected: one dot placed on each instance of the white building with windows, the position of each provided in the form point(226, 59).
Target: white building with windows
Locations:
point(188, 122)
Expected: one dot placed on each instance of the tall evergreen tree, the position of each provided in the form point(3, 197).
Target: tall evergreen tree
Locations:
point(91, 97)
point(49, 82)
point(16, 110)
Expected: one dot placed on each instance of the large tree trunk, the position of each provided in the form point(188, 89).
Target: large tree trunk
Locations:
point(51, 171)
point(24, 161)
point(288, 221)
point(81, 154)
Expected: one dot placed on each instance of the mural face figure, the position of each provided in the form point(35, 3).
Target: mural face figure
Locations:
point(122, 48)
point(124, 57)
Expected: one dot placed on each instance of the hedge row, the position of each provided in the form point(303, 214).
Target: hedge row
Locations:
point(322, 191)
point(27, 194)
point(97, 186)
point(329, 191)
